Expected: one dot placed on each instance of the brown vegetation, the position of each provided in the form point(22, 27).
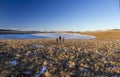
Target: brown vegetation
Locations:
point(109, 34)
point(72, 58)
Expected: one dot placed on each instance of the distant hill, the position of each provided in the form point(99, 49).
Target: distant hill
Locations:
point(6, 31)
point(106, 34)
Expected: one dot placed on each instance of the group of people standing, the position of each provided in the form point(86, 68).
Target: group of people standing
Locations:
point(60, 39)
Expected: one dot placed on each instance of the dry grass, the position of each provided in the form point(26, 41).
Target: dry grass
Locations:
point(110, 34)
point(72, 58)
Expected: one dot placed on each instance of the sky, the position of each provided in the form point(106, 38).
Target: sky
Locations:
point(60, 15)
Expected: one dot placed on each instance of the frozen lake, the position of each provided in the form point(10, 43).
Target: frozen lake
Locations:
point(45, 35)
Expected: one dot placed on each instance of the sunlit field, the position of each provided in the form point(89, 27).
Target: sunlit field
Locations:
point(109, 34)
point(48, 58)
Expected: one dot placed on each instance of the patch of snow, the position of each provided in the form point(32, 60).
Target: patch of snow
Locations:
point(98, 52)
point(42, 71)
point(69, 65)
point(26, 72)
point(113, 67)
point(39, 46)
point(28, 52)
point(85, 70)
point(13, 63)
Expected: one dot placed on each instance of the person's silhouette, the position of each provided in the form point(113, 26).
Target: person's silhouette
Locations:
point(56, 39)
point(60, 38)
point(63, 39)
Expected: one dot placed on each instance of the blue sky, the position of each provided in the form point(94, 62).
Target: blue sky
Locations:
point(60, 15)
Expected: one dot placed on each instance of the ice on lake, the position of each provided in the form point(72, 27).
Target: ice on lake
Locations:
point(45, 35)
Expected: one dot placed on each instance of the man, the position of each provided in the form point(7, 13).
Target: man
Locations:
point(60, 38)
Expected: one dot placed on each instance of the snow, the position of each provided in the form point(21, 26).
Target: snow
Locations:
point(113, 67)
point(26, 72)
point(28, 53)
point(85, 70)
point(13, 63)
point(39, 46)
point(42, 71)
point(70, 65)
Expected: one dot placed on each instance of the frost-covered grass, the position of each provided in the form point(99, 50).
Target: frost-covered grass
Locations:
point(46, 57)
